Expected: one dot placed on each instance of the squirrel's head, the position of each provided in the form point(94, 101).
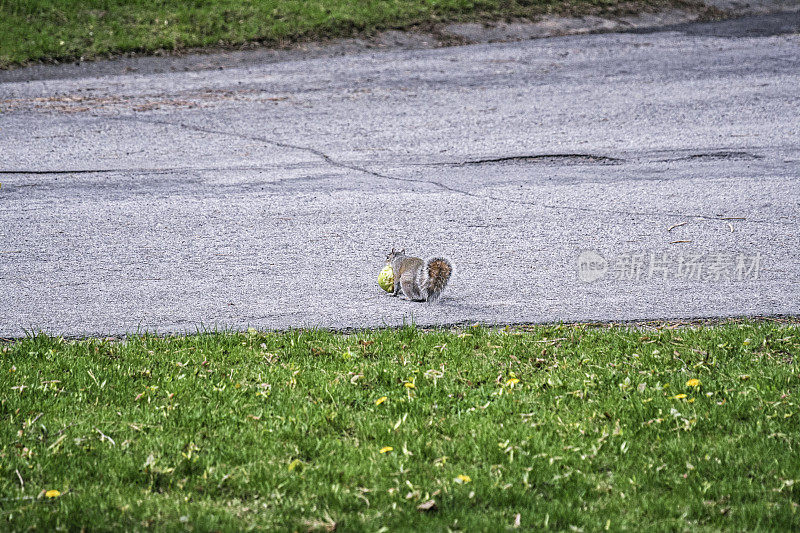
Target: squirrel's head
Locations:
point(395, 253)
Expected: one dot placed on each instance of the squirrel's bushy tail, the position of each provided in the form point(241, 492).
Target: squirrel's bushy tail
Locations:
point(438, 270)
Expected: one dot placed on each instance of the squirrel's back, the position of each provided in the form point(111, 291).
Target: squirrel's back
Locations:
point(406, 263)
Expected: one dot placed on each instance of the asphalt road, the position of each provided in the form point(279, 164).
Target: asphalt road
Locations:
point(268, 194)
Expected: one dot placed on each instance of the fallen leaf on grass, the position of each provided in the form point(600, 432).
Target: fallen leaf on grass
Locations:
point(326, 524)
point(429, 505)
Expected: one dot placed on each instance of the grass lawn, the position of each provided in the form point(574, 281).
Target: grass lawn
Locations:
point(48, 30)
point(552, 427)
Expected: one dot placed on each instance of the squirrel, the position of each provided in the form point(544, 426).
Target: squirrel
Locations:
point(421, 281)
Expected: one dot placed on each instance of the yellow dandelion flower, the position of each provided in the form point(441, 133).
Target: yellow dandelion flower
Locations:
point(386, 449)
point(380, 400)
point(52, 493)
point(410, 386)
point(462, 479)
point(693, 383)
point(512, 381)
point(679, 397)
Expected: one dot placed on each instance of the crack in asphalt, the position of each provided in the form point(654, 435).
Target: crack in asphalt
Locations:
point(322, 155)
point(140, 170)
point(547, 158)
point(535, 158)
point(333, 162)
point(715, 156)
point(45, 172)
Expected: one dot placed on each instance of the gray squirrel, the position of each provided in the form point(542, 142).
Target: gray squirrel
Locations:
point(421, 281)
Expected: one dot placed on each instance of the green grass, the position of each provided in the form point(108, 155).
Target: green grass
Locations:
point(49, 30)
point(285, 430)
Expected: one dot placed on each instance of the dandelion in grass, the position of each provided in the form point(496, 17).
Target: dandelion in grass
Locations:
point(512, 380)
point(386, 449)
point(461, 479)
point(694, 382)
point(410, 386)
point(380, 400)
point(52, 493)
point(679, 397)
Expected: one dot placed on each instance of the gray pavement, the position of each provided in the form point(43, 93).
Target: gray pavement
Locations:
point(267, 194)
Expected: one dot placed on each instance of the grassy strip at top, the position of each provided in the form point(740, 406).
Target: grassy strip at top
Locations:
point(558, 427)
point(49, 30)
